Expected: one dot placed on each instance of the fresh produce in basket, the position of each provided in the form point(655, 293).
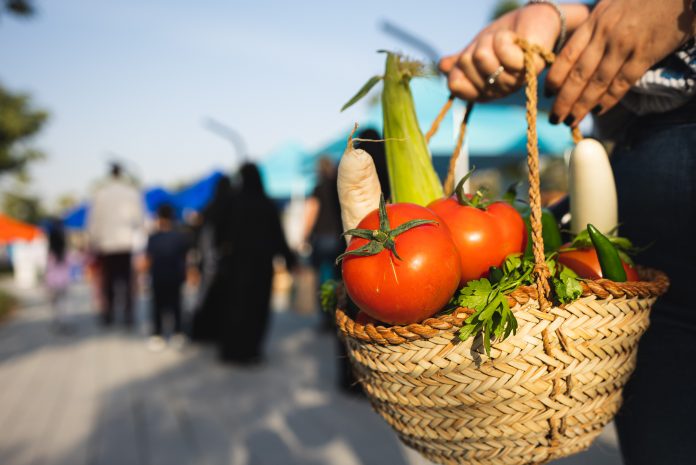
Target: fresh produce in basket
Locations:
point(484, 232)
point(412, 176)
point(592, 189)
point(592, 255)
point(401, 265)
point(560, 343)
point(358, 185)
point(551, 233)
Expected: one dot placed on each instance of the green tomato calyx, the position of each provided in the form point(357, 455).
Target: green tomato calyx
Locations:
point(382, 238)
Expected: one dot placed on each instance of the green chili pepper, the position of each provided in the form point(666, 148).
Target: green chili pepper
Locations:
point(609, 260)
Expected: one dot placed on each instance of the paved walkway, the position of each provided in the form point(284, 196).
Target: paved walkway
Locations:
point(99, 397)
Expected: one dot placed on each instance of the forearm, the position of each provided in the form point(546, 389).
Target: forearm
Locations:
point(575, 14)
point(310, 217)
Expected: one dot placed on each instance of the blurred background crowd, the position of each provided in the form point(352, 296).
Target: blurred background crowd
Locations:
point(268, 225)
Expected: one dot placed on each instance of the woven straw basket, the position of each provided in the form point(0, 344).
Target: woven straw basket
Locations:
point(545, 392)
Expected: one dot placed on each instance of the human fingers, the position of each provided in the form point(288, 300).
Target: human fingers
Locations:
point(510, 55)
point(492, 78)
point(578, 78)
point(598, 85)
point(566, 59)
point(458, 83)
point(464, 80)
point(627, 76)
point(447, 63)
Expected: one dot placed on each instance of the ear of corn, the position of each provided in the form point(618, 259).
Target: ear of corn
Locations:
point(411, 173)
point(412, 176)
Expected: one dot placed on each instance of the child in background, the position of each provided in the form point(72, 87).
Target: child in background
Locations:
point(166, 255)
point(57, 277)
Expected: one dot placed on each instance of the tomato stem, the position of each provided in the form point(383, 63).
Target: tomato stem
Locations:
point(382, 238)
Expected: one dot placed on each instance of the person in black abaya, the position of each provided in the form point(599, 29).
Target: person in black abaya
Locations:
point(253, 229)
point(214, 296)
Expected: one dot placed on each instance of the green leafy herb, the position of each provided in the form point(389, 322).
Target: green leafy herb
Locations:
point(566, 285)
point(493, 319)
point(327, 295)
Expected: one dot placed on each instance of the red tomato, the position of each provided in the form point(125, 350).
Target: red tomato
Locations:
point(413, 288)
point(483, 237)
point(586, 264)
point(512, 228)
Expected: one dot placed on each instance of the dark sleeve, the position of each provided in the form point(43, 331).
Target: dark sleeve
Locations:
point(280, 245)
point(184, 242)
point(187, 241)
point(148, 247)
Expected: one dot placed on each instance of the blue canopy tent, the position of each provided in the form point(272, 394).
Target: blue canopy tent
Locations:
point(155, 197)
point(197, 195)
point(283, 173)
point(76, 218)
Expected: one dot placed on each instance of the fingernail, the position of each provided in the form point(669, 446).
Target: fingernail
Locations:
point(569, 120)
point(597, 110)
point(548, 92)
point(553, 119)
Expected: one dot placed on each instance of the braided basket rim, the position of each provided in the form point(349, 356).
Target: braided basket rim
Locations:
point(654, 284)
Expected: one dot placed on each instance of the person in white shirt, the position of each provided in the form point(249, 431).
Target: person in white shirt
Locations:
point(114, 228)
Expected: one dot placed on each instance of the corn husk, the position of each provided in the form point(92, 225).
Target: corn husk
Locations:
point(411, 173)
point(412, 176)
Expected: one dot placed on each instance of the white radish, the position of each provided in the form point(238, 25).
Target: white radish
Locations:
point(358, 185)
point(592, 189)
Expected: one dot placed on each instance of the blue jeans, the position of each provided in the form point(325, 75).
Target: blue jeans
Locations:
point(655, 168)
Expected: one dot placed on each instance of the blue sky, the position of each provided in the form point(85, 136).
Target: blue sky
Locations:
point(138, 78)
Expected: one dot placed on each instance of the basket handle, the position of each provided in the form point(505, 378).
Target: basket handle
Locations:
point(541, 271)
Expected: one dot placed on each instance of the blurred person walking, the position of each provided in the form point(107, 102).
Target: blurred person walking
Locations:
point(323, 228)
point(252, 235)
point(58, 274)
point(114, 227)
point(166, 254)
point(214, 294)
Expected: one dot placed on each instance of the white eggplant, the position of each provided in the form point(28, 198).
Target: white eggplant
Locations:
point(358, 186)
point(592, 188)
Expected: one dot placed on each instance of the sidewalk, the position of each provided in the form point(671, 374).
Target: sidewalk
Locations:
point(99, 397)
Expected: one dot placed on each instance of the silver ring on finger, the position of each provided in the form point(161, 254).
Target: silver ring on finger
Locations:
point(494, 75)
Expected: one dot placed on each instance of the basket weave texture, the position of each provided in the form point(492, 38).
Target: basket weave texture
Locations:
point(448, 400)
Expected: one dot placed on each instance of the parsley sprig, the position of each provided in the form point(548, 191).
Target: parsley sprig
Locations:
point(327, 295)
point(493, 318)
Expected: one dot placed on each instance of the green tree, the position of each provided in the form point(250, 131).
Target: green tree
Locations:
point(19, 122)
point(20, 204)
point(504, 6)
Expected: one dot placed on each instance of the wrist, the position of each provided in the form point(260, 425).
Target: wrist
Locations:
point(558, 17)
